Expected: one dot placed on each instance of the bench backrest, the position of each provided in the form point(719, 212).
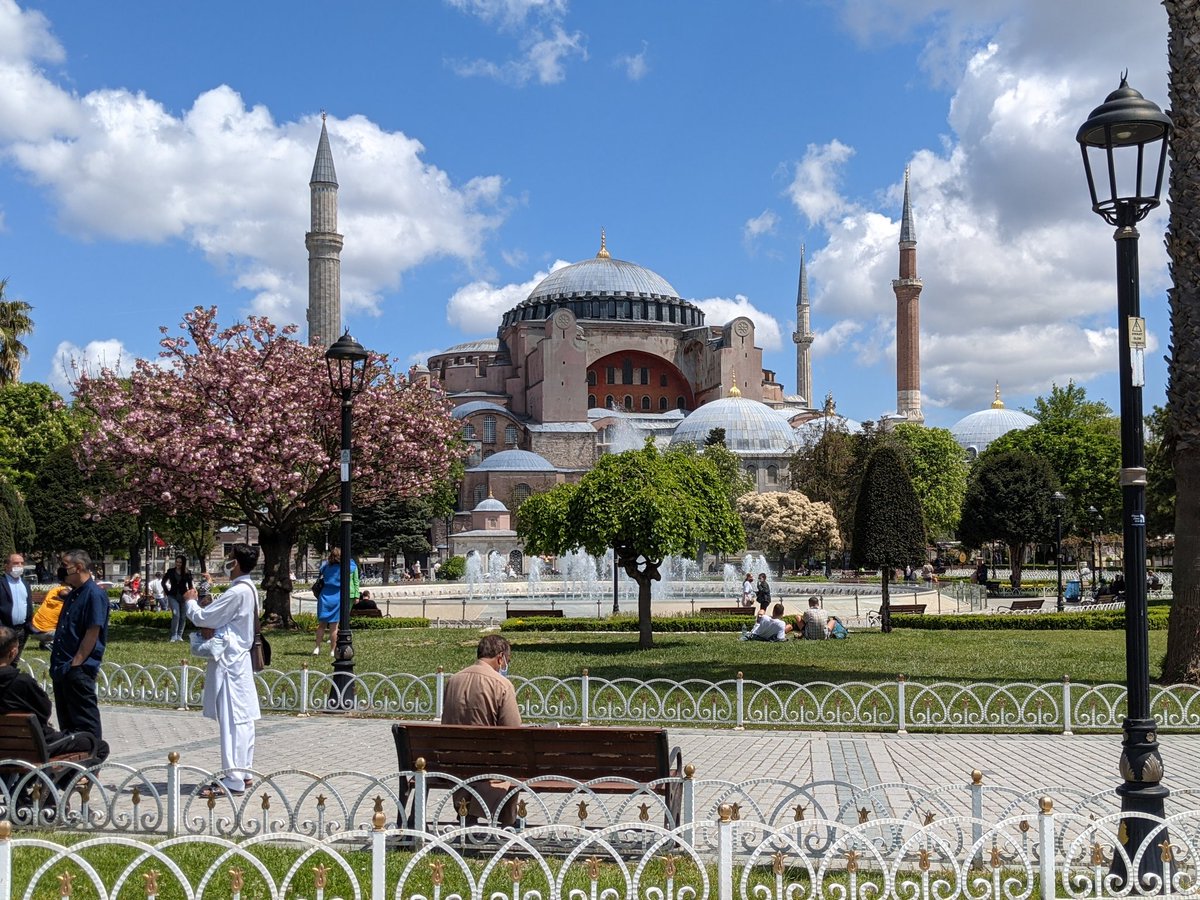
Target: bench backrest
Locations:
point(581, 753)
point(908, 608)
point(21, 738)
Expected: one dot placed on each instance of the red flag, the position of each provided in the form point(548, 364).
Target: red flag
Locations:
point(159, 542)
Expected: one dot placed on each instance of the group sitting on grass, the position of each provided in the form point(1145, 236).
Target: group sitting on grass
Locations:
point(814, 625)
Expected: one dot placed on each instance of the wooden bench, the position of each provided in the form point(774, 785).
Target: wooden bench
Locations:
point(22, 739)
point(1022, 605)
point(726, 610)
point(558, 757)
point(375, 613)
point(528, 613)
point(897, 609)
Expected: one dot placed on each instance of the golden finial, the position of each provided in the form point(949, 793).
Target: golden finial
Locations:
point(976, 777)
point(237, 880)
point(437, 871)
point(173, 757)
point(997, 403)
point(1046, 805)
point(725, 812)
point(320, 876)
point(378, 820)
point(64, 884)
point(5, 831)
point(734, 392)
point(603, 254)
point(830, 406)
point(151, 880)
point(322, 117)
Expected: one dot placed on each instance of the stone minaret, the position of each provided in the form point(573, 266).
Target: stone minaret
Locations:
point(803, 338)
point(324, 250)
point(908, 320)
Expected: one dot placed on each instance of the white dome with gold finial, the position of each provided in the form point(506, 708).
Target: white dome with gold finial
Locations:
point(975, 432)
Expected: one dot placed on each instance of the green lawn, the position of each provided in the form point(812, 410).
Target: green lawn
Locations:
point(1087, 656)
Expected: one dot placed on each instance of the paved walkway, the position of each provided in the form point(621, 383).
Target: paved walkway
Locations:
point(142, 737)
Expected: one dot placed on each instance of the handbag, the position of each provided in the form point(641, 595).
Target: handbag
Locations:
point(318, 586)
point(260, 647)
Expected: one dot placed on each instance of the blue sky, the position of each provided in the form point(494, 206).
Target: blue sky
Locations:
point(156, 156)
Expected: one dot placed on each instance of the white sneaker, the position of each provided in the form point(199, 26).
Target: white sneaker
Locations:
point(316, 651)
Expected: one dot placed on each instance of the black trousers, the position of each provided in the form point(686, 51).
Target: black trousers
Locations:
point(75, 701)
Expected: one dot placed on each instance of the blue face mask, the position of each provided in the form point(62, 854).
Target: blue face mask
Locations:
point(503, 670)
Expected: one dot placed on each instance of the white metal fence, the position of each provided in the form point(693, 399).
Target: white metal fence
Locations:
point(899, 706)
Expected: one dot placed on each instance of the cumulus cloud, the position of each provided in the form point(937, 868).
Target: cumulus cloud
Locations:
point(835, 338)
point(720, 310)
point(1018, 273)
point(545, 44)
point(476, 308)
point(70, 361)
point(634, 64)
point(229, 180)
point(764, 223)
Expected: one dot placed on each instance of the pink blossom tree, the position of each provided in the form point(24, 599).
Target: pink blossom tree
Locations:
point(240, 424)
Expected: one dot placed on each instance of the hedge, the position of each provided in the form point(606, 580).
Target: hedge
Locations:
point(302, 621)
point(629, 623)
point(1101, 620)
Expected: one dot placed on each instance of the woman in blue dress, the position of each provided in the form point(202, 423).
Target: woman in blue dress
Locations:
point(329, 604)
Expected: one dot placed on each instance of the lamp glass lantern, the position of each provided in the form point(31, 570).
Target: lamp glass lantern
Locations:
point(346, 360)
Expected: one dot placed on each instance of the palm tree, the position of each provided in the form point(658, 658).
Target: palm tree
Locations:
point(14, 325)
point(1183, 373)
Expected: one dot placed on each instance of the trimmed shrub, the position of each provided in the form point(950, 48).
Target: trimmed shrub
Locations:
point(1101, 620)
point(308, 622)
point(452, 568)
point(660, 624)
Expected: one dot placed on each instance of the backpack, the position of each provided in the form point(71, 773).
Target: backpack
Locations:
point(840, 632)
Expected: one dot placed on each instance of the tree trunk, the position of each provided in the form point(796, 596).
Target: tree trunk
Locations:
point(1183, 365)
point(1016, 555)
point(645, 635)
point(277, 574)
point(885, 608)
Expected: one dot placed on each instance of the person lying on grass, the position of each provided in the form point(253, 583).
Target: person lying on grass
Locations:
point(770, 629)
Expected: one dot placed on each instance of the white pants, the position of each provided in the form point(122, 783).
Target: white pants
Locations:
point(237, 751)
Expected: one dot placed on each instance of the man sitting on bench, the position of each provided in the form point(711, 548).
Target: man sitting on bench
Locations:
point(482, 695)
point(19, 692)
point(769, 629)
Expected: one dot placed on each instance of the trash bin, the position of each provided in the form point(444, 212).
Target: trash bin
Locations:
point(1072, 591)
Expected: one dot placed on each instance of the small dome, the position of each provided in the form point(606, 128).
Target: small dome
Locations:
point(514, 461)
point(751, 428)
point(486, 345)
point(491, 504)
point(976, 431)
point(814, 428)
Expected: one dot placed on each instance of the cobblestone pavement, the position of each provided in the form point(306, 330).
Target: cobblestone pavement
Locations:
point(142, 737)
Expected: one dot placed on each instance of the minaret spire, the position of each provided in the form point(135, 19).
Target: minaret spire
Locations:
point(908, 319)
point(324, 249)
point(803, 336)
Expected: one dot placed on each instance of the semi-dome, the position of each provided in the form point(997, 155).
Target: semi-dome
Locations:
point(475, 406)
point(606, 288)
point(514, 461)
point(751, 428)
point(974, 432)
point(491, 504)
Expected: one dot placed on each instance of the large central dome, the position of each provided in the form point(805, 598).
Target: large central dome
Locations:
point(605, 288)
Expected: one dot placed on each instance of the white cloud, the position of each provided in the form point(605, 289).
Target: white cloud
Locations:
point(815, 186)
point(720, 310)
point(543, 58)
point(634, 64)
point(70, 361)
point(764, 223)
point(229, 180)
point(476, 308)
point(1018, 272)
point(421, 357)
point(510, 13)
point(835, 338)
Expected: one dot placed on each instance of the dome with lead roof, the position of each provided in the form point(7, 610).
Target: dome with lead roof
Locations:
point(751, 428)
point(975, 432)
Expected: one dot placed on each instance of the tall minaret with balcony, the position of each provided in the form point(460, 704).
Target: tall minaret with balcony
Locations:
point(803, 337)
point(324, 250)
point(908, 320)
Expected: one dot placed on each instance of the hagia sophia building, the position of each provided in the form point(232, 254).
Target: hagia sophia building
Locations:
point(604, 353)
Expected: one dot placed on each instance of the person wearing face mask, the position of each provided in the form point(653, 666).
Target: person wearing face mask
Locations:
point(15, 595)
point(482, 695)
point(230, 694)
point(45, 617)
point(78, 649)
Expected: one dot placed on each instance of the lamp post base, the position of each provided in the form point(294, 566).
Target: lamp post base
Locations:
point(1142, 805)
point(343, 691)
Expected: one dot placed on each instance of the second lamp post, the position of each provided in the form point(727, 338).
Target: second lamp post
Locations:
point(347, 363)
point(1059, 501)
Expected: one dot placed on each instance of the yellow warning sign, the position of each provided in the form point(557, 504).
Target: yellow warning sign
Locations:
point(1137, 333)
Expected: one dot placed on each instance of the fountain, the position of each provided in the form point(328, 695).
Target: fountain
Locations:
point(732, 582)
point(534, 579)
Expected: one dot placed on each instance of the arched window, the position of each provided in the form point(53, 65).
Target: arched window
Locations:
point(629, 401)
point(772, 475)
point(468, 432)
point(510, 435)
point(591, 401)
point(520, 494)
point(608, 401)
point(480, 493)
point(489, 429)
point(645, 402)
point(663, 404)
point(752, 471)
point(591, 378)
point(680, 403)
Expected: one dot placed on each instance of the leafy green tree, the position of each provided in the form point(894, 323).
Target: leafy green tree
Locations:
point(17, 528)
point(36, 422)
point(192, 531)
point(889, 530)
point(938, 468)
point(393, 528)
point(15, 325)
point(1009, 499)
point(828, 468)
point(1081, 440)
point(646, 505)
point(727, 463)
point(64, 518)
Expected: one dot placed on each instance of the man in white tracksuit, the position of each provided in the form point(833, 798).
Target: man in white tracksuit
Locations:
point(230, 696)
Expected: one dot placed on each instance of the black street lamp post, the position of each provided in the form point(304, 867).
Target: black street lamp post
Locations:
point(347, 363)
point(1093, 520)
point(1059, 500)
point(1131, 130)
